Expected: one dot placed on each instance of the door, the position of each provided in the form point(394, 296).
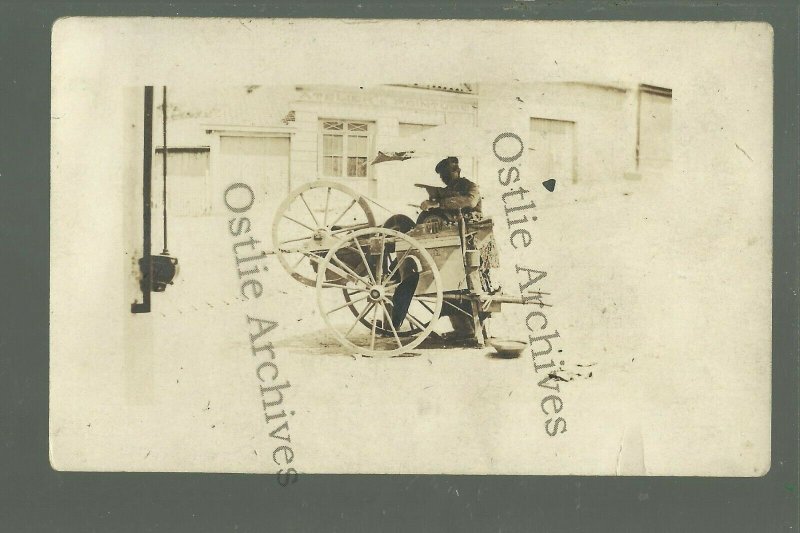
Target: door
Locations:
point(552, 150)
point(654, 150)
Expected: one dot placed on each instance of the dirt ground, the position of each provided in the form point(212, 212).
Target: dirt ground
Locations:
point(652, 366)
point(622, 380)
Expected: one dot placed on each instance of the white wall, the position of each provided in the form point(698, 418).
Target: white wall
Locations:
point(605, 121)
point(604, 117)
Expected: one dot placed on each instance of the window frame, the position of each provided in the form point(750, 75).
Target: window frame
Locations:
point(322, 132)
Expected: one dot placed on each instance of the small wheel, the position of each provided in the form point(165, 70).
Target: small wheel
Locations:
point(313, 218)
point(391, 285)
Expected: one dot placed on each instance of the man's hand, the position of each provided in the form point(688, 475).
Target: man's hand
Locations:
point(428, 204)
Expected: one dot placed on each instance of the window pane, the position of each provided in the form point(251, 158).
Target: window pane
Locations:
point(356, 146)
point(333, 125)
point(332, 166)
point(357, 167)
point(356, 126)
point(331, 145)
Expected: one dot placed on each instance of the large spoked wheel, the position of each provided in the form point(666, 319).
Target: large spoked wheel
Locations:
point(392, 289)
point(313, 218)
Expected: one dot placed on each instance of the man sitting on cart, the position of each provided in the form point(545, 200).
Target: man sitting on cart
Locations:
point(457, 194)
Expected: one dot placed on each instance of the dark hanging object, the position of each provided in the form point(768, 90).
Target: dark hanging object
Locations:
point(165, 268)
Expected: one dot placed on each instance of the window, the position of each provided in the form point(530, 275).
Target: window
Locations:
point(345, 148)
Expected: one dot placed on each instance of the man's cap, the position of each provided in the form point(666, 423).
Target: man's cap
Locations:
point(440, 166)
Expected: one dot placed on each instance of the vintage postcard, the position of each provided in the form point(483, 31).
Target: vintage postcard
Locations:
point(418, 247)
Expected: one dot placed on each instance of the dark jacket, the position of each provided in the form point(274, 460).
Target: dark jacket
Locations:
point(460, 193)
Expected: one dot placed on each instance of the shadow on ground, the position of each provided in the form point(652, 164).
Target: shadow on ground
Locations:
point(324, 343)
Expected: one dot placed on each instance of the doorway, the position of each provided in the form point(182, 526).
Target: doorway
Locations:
point(260, 162)
point(552, 150)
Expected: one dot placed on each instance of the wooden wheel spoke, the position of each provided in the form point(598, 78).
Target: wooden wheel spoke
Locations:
point(388, 318)
point(389, 289)
point(297, 264)
point(351, 276)
point(355, 276)
point(348, 304)
point(364, 258)
point(354, 202)
point(374, 328)
point(390, 303)
point(399, 262)
point(310, 212)
point(305, 255)
point(361, 315)
point(337, 286)
point(379, 266)
point(309, 228)
point(411, 318)
point(296, 240)
point(325, 214)
point(423, 304)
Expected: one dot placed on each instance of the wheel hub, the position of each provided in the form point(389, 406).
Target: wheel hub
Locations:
point(375, 294)
point(320, 234)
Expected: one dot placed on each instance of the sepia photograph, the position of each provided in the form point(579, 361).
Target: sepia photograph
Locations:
point(545, 249)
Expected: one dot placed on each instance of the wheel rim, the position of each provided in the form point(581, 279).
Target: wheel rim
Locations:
point(311, 219)
point(370, 291)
